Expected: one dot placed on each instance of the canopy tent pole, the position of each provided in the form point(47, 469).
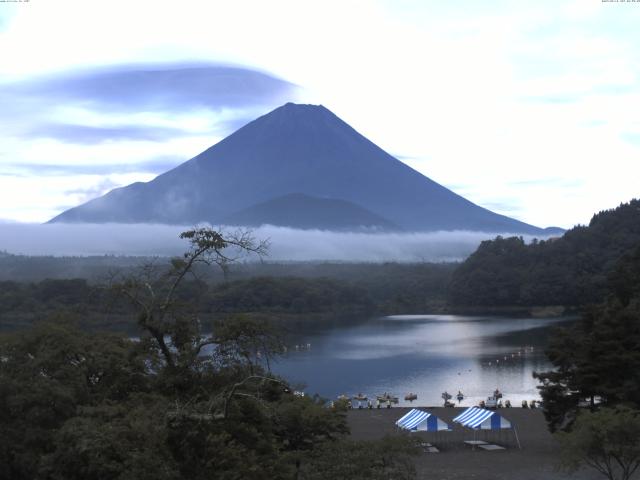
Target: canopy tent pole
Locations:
point(517, 439)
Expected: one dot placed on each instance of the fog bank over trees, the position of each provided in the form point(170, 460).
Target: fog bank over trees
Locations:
point(286, 244)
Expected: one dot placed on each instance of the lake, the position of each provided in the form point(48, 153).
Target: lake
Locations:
point(424, 354)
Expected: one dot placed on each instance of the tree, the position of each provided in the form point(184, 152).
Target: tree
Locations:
point(303, 423)
point(48, 375)
point(599, 357)
point(385, 459)
point(175, 329)
point(114, 441)
point(240, 339)
point(607, 441)
point(75, 404)
point(573, 379)
point(570, 270)
point(625, 278)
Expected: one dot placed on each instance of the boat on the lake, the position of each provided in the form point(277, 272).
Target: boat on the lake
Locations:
point(387, 397)
point(446, 396)
point(492, 402)
point(410, 397)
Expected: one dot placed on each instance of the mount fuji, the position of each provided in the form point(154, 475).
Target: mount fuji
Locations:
point(299, 166)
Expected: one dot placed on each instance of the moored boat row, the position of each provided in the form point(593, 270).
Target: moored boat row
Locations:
point(493, 401)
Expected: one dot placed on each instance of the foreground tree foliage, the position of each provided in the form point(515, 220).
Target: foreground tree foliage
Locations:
point(390, 458)
point(179, 402)
point(50, 375)
point(597, 361)
point(607, 441)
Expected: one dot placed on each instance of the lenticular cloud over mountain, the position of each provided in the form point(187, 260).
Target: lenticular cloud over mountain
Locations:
point(299, 166)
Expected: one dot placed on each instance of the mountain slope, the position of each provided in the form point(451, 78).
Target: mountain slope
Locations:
point(294, 149)
point(303, 211)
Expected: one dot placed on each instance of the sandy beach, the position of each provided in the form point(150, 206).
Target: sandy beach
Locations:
point(456, 460)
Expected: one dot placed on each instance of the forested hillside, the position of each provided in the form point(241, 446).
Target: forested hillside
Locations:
point(597, 359)
point(283, 291)
point(571, 270)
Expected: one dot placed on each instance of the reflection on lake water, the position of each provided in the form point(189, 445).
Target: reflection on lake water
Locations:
point(424, 354)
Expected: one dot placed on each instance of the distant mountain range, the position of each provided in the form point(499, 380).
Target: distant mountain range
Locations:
point(298, 166)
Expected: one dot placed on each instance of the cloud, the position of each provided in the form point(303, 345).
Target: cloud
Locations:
point(164, 87)
point(547, 182)
point(101, 104)
point(85, 134)
point(286, 244)
point(155, 165)
point(631, 137)
point(6, 13)
point(88, 193)
point(553, 99)
point(511, 205)
point(124, 121)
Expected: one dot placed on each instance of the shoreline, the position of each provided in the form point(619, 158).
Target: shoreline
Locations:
point(533, 311)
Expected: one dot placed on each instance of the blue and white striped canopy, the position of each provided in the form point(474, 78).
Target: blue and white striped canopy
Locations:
point(419, 420)
point(480, 418)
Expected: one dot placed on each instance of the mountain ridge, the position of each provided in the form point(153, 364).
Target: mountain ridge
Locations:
point(293, 149)
point(297, 210)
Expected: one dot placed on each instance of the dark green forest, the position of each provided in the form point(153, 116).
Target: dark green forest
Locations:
point(597, 360)
point(99, 307)
point(571, 270)
point(326, 291)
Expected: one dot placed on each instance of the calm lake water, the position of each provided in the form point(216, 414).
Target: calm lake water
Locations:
point(424, 354)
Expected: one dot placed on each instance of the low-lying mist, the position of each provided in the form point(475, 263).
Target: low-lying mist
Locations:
point(285, 244)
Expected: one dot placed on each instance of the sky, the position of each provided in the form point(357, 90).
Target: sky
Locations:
point(530, 109)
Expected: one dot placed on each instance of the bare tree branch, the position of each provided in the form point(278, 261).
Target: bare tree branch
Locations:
point(153, 291)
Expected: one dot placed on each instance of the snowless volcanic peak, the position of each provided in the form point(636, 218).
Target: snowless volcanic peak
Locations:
point(295, 149)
